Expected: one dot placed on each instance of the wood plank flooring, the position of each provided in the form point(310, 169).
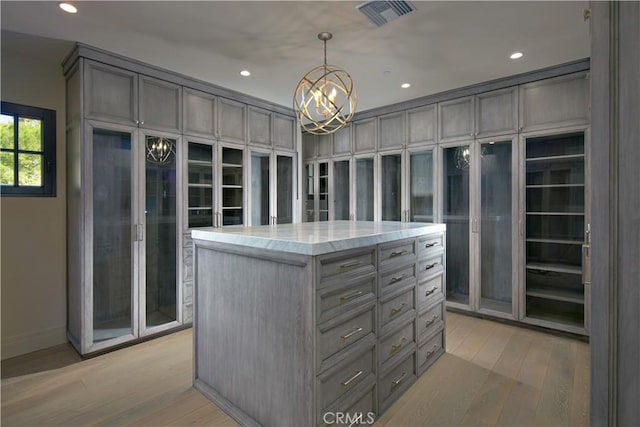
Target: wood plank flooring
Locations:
point(492, 374)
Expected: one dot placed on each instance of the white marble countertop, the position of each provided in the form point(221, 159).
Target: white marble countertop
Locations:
point(316, 238)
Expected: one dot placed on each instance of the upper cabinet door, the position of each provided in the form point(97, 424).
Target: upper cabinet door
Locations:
point(284, 132)
point(497, 112)
point(391, 131)
point(342, 141)
point(456, 119)
point(308, 147)
point(422, 125)
point(364, 136)
point(199, 113)
point(110, 94)
point(323, 144)
point(232, 121)
point(259, 127)
point(160, 105)
point(557, 102)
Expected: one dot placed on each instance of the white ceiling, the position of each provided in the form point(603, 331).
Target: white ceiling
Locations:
point(440, 46)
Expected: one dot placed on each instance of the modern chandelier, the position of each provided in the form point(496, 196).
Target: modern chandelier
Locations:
point(160, 151)
point(325, 99)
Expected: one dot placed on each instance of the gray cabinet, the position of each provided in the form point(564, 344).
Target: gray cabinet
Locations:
point(199, 113)
point(160, 105)
point(323, 147)
point(284, 132)
point(422, 125)
point(259, 127)
point(232, 122)
point(557, 102)
point(342, 141)
point(496, 112)
point(364, 136)
point(391, 131)
point(456, 119)
point(308, 147)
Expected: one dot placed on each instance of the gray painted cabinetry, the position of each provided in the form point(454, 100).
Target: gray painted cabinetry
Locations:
point(343, 322)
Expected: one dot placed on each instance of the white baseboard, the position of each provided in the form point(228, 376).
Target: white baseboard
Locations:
point(26, 343)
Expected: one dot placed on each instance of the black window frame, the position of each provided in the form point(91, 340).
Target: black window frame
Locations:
point(48, 118)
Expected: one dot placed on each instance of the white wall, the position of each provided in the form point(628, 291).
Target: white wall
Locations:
point(33, 229)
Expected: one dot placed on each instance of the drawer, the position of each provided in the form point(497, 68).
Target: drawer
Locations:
point(393, 384)
point(340, 379)
point(398, 252)
point(396, 306)
point(342, 296)
point(187, 292)
point(397, 341)
point(360, 410)
point(348, 263)
point(429, 290)
point(430, 321)
point(334, 339)
point(430, 266)
point(187, 264)
point(397, 278)
point(429, 352)
point(430, 244)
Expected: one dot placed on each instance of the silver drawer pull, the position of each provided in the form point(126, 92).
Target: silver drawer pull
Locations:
point(395, 311)
point(351, 296)
point(350, 380)
point(430, 266)
point(399, 381)
point(396, 347)
point(350, 334)
point(430, 322)
point(395, 254)
point(349, 265)
point(430, 245)
point(431, 353)
point(396, 279)
point(430, 291)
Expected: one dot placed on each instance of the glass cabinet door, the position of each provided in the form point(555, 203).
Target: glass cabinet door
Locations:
point(455, 198)
point(391, 187)
point(260, 198)
point(284, 193)
point(309, 191)
point(341, 185)
point(496, 223)
point(113, 223)
point(161, 203)
point(199, 185)
point(364, 189)
point(232, 187)
point(555, 224)
point(323, 191)
point(421, 186)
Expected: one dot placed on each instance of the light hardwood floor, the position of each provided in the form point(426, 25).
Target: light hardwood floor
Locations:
point(492, 374)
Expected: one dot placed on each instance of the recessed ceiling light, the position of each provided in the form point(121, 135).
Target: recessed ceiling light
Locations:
point(405, 85)
point(68, 7)
point(245, 73)
point(516, 55)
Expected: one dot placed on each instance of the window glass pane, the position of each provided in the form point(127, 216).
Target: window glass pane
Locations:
point(30, 170)
point(29, 134)
point(421, 186)
point(6, 132)
point(6, 169)
point(285, 189)
point(391, 182)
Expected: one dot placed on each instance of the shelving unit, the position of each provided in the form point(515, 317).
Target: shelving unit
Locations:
point(200, 185)
point(323, 194)
point(555, 221)
point(232, 186)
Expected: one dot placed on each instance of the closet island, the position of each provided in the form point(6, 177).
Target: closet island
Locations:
point(295, 323)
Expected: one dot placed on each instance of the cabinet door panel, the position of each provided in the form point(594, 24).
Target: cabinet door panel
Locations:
point(324, 143)
point(391, 187)
point(259, 127)
point(364, 136)
point(364, 189)
point(308, 146)
point(284, 191)
point(111, 94)
point(421, 125)
point(456, 119)
point(497, 112)
point(391, 131)
point(342, 141)
point(341, 184)
point(199, 113)
point(421, 186)
point(231, 121)
point(283, 132)
point(160, 105)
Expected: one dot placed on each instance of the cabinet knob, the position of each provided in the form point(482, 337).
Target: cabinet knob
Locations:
point(142, 122)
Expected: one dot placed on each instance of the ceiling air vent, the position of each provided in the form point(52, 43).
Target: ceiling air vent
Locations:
point(382, 12)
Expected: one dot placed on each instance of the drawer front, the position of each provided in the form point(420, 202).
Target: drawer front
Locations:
point(430, 321)
point(394, 253)
point(344, 378)
point(360, 413)
point(393, 384)
point(429, 290)
point(430, 266)
point(346, 264)
point(335, 339)
point(397, 278)
point(429, 352)
point(342, 297)
point(395, 342)
point(393, 308)
point(430, 244)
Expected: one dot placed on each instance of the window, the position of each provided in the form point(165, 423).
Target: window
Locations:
point(27, 151)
